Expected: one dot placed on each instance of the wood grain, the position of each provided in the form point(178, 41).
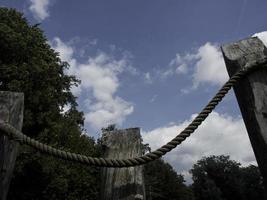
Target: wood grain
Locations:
point(11, 111)
point(251, 94)
point(122, 183)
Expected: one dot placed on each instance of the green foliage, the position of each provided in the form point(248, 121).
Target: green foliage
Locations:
point(162, 182)
point(252, 187)
point(218, 177)
point(28, 64)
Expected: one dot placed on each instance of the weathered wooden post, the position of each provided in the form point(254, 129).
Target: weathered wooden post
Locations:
point(122, 183)
point(11, 111)
point(251, 94)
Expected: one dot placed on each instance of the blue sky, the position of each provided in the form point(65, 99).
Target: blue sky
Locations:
point(153, 64)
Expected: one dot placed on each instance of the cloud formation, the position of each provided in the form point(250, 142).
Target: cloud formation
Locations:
point(219, 134)
point(39, 8)
point(148, 78)
point(180, 63)
point(209, 67)
point(262, 36)
point(206, 65)
point(99, 83)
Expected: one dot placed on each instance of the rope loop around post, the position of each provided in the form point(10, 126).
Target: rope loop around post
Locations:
point(15, 134)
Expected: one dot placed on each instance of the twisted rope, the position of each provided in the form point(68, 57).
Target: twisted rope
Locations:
point(14, 134)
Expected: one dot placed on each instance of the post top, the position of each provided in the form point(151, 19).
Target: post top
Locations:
point(244, 53)
point(120, 136)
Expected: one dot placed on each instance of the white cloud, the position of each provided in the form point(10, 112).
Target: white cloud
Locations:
point(181, 69)
point(65, 51)
point(180, 63)
point(210, 67)
point(148, 78)
point(219, 134)
point(206, 65)
point(262, 36)
point(166, 73)
point(39, 8)
point(99, 84)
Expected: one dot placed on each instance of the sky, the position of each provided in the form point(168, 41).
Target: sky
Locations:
point(153, 64)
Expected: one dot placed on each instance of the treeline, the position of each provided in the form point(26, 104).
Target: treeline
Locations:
point(28, 64)
point(214, 178)
point(219, 178)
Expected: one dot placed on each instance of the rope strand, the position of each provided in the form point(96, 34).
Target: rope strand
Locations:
point(16, 135)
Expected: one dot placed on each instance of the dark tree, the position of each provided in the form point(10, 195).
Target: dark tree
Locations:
point(28, 64)
point(218, 177)
point(162, 182)
point(252, 180)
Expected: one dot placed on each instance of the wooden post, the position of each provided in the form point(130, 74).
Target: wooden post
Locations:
point(251, 94)
point(11, 111)
point(122, 183)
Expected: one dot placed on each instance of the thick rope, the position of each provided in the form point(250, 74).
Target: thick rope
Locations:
point(14, 134)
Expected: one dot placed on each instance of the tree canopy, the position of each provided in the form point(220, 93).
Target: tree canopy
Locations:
point(28, 64)
point(219, 178)
point(162, 182)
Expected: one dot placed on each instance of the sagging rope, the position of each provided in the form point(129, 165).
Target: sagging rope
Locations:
point(15, 134)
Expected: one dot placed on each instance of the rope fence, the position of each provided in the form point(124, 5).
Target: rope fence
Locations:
point(15, 134)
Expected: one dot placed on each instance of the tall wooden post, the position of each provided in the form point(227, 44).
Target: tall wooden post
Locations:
point(11, 111)
point(122, 183)
point(251, 93)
